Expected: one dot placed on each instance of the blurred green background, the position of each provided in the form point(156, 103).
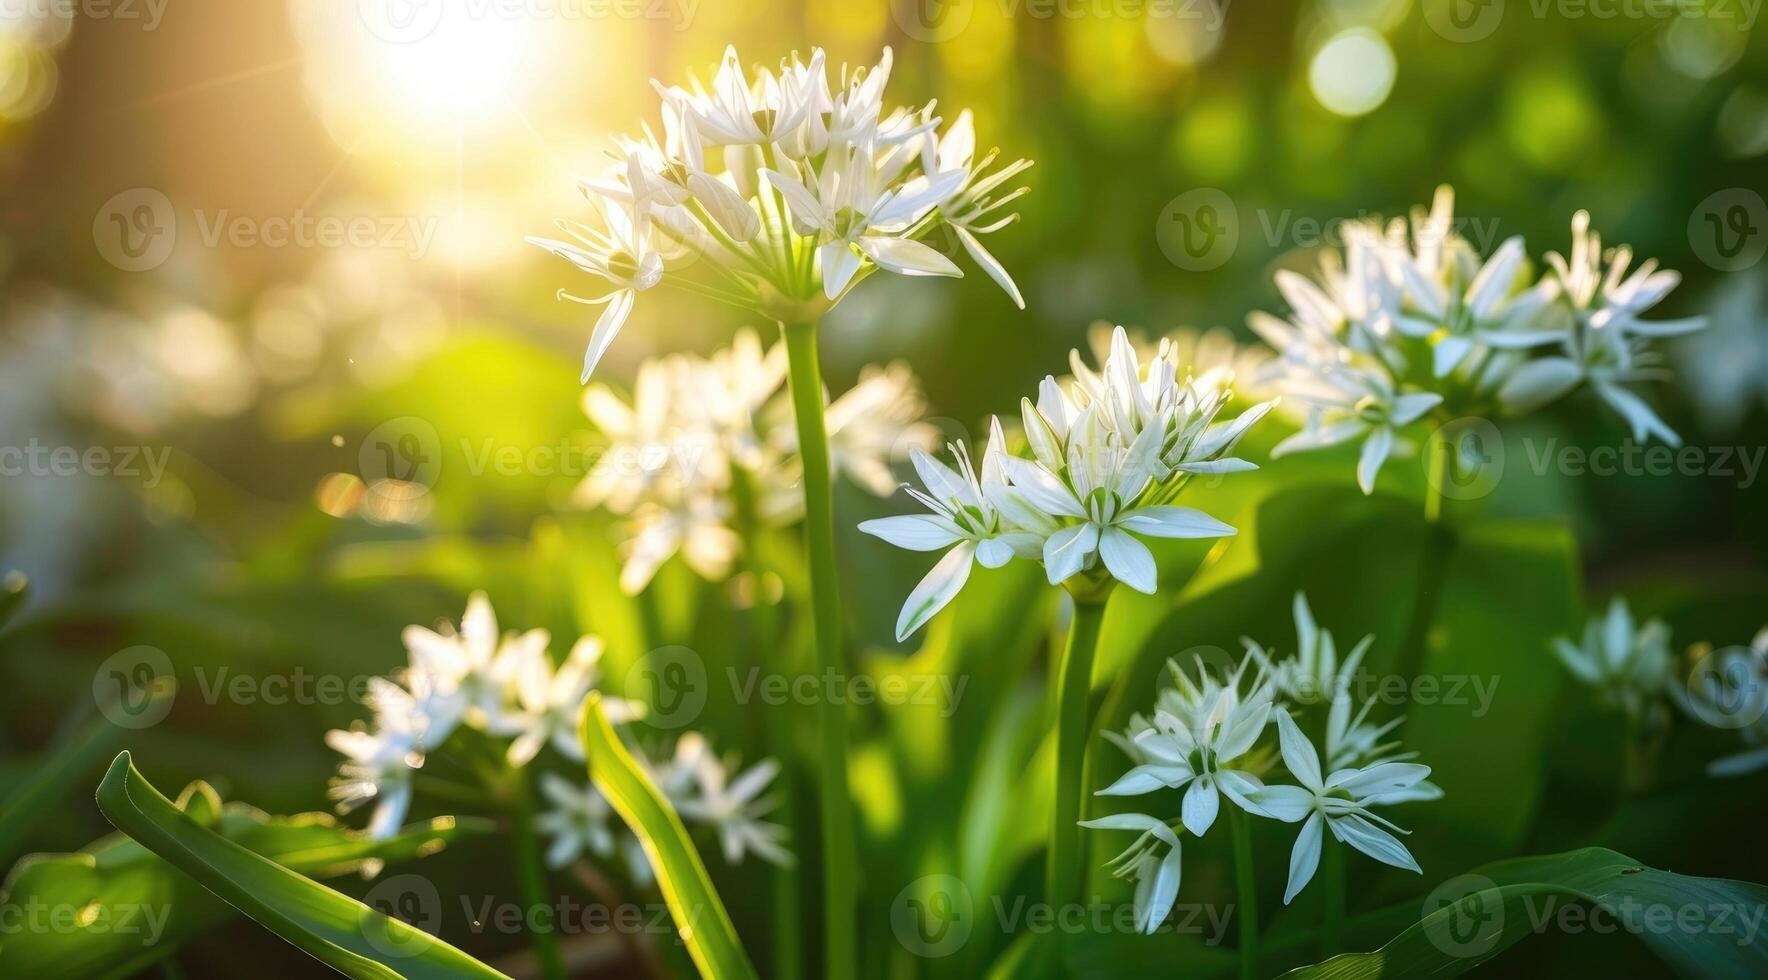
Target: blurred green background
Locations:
point(147, 160)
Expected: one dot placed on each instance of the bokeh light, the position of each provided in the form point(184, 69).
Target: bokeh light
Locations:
point(1353, 72)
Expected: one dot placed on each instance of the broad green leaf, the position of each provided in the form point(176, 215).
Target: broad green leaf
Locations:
point(331, 927)
point(1692, 924)
point(699, 914)
point(142, 909)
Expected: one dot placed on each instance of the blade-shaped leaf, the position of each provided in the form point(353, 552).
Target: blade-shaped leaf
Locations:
point(138, 909)
point(700, 915)
point(14, 588)
point(333, 928)
point(1479, 915)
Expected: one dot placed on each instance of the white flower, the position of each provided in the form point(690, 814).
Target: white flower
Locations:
point(874, 423)
point(962, 515)
point(1156, 877)
point(707, 446)
point(1354, 401)
point(1404, 324)
point(734, 807)
point(1108, 457)
point(377, 766)
point(774, 192)
point(577, 822)
point(1630, 666)
point(623, 253)
point(1338, 802)
point(549, 703)
point(466, 676)
point(1197, 756)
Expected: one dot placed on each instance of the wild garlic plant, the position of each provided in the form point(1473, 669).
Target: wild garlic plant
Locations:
point(1105, 459)
point(1209, 735)
point(705, 453)
point(1409, 323)
point(489, 705)
point(1632, 669)
point(777, 191)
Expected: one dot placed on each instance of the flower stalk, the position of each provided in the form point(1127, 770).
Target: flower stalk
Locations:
point(1245, 892)
point(1062, 872)
point(805, 379)
point(531, 874)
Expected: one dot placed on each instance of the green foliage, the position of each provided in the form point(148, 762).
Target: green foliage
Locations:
point(699, 914)
point(331, 927)
point(1493, 908)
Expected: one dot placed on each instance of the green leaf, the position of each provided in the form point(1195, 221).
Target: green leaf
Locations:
point(142, 909)
point(699, 915)
point(333, 928)
point(1473, 918)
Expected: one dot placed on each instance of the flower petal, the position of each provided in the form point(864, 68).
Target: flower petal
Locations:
point(915, 532)
point(1128, 560)
point(1304, 858)
point(936, 590)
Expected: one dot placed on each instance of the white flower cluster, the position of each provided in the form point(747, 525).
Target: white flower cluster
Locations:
point(1633, 670)
point(705, 439)
point(1206, 737)
point(504, 687)
point(1108, 455)
point(788, 190)
point(1403, 324)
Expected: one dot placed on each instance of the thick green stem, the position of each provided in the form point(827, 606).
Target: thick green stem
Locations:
point(819, 535)
point(1063, 875)
point(1245, 892)
point(531, 874)
point(1332, 880)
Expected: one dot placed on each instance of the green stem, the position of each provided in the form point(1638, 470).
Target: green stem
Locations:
point(1245, 892)
point(1063, 874)
point(775, 733)
point(531, 875)
point(1436, 478)
point(819, 535)
point(1332, 879)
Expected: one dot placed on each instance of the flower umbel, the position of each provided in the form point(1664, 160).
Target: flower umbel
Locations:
point(775, 192)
